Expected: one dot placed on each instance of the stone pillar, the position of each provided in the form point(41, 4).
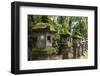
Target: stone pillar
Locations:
point(76, 48)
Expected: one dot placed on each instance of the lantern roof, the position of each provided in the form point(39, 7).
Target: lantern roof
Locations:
point(77, 37)
point(43, 27)
point(66, 34)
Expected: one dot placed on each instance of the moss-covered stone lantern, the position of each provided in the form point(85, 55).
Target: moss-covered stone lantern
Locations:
point(43, 35)
point(83, 46)
point(65, 44)
point(77, 46)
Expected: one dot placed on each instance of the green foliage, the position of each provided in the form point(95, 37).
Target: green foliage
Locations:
point(62, 24)
point(79, 25)
point(45, 19)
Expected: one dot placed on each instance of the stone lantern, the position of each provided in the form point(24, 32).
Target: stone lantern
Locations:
point(77, 46)
point(43, 35)
point(86, 44)
point(83, 46)
point(65, 44)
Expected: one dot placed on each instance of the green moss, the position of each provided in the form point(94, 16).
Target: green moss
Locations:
point(43, 51)
point(77, 37)
point(44, 25)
